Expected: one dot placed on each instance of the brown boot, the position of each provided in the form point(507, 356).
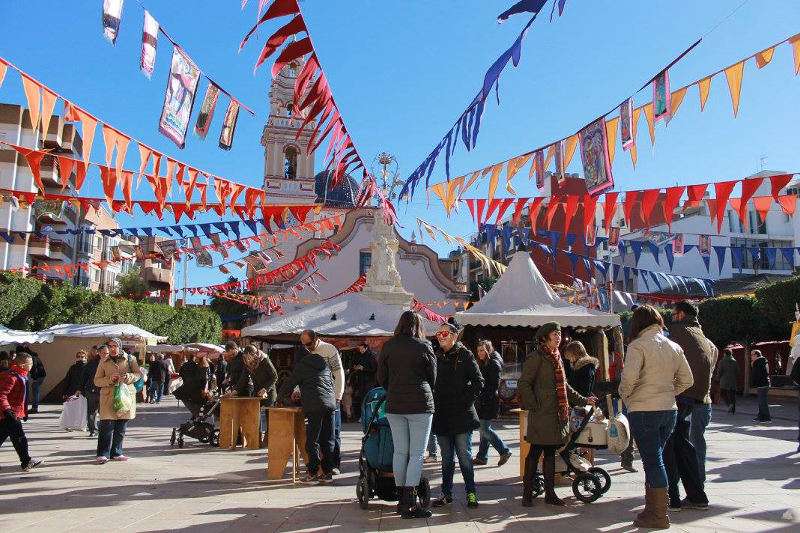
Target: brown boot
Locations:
point(549, 471)
point(655, 511)
point(648, 504)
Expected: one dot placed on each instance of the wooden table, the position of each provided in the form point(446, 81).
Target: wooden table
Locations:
point(240, 415)
point(524, 445)
point(287, 438)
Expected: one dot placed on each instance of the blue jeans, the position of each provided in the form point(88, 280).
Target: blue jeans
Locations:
point(763, 404)
point(319, 441)
point(109, 438)
point(156, 390)
point(651, 429)
point(336, 461)
point(36, 385)
point(409, 436)
point(432, 445)
point(452, 445)
point(489, 436)
point(701, 417)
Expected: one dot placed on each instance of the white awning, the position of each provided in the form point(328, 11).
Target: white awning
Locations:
point(124, 331)
point(15, 336)
point(521, 297)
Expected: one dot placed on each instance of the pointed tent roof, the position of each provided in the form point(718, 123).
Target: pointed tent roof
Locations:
point(521, 297)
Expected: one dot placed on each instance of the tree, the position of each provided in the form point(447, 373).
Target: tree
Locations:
point(132, 285)
point(228, 310)
point(485, 284)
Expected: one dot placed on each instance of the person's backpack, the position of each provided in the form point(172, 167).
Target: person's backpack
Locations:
point(139, 383)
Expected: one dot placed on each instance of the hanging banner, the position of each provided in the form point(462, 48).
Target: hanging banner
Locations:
point(112, 15)
point(625, 122)
point(149, 42)
point(704, 245)
point(204, 259)
point(179, 98)
point(678, 245)
point(229, 126)
point(594, 154)
point(559, 157)
point(206, 114)
point(591, 235)
point(613, 239)
point(661, 96)
point(538, 164)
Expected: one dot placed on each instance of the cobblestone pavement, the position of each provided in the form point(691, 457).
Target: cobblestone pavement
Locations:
point(753, 475)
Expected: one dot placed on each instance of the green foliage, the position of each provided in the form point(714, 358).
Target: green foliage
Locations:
point(227, 308)
point(486, 284)
point(32, 305)
point(132, 285)
point(776, 302)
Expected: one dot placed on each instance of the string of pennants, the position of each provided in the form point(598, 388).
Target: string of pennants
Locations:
point(313, 99)
point(641, 203)
point(41, 104)
point(619, 123)
point(184, 77)
point(466, 127)
point(488, 263)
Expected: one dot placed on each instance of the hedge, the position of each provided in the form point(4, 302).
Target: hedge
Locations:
point(32, 305)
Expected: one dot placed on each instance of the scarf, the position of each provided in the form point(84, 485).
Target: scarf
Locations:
point(561, 385)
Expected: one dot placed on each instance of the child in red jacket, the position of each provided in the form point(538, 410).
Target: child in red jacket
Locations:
point(13, 408)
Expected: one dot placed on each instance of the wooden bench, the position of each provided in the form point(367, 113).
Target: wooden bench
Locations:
point(240, 415)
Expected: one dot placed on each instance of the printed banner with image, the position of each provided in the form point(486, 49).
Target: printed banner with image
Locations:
point(559, 157)
point(229, 126)
point(538, 163)
point(661, 96)
point(179, 98)
point(677, 245)
point(112, 16)
point(594, 155)
point(591, 234)
point(206, 114)
point(625, 123)
point(704, 245)
point(613, 239)
point(149, 43)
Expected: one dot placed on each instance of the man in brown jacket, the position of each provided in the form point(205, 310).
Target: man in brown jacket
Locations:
point(685, 451)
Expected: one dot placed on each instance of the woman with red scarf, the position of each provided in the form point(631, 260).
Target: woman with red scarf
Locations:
point(13, 408)
point(546, 396)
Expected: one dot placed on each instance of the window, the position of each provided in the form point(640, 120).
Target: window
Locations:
point(290, 163)
point(96, 275)
point(364, 262)
point(289, 106)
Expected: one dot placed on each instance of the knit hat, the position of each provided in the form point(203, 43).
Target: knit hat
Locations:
point(546, 329)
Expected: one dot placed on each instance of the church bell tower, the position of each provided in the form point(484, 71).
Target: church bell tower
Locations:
point(288, 166)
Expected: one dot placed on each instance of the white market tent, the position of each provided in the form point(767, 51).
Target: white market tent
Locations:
point(355, 316)
point(15, 336)
point(69, 338)
point(522, 298)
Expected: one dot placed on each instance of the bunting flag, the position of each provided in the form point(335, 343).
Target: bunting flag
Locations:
point(33, 94)
point(112, 16)
point(595, 157)
point(523, 6)
point(179, 98)
point(206, 114)
point(667, 101)
point(229, 126)
point(149, 42)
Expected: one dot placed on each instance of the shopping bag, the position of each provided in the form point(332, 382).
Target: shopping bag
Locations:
point(123, 398)
point(619, 434)
point(73, 414)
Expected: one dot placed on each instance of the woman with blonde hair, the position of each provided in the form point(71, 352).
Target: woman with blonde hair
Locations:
point(488, 404)
point(584, 367)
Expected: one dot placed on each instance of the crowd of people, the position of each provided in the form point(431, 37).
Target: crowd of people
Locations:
point(437, 394)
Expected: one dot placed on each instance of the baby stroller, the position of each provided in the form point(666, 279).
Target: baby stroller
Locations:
point(590, 482)
point(197, 427)
point(375, 459)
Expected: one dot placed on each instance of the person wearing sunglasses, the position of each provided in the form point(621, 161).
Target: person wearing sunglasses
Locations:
point(458, 385)
point(73, 379)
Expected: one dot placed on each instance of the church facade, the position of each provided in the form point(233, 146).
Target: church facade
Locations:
point(289, 178)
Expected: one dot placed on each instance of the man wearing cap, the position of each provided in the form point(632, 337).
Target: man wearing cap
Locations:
point(120, 369)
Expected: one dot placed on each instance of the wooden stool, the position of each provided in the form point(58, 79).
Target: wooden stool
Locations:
point(524, 445)
point(240, 414)
point(287, 438)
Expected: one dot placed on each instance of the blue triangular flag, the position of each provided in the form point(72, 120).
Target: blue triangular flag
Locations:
point(148, 231)
point(670, 255)
point(8, 238)
point(788, 254)
point(251, 224)
point(623, 249)
point(644, 278)
point(165, 230)
point(234, 225)
point(636, 246)
point(720, 256)
point(772, 254)
point(707, 262)
point(737, 256)
point(178, 230)
point(206, 229)
point(192, 228)
point(615, 272)
point(221, 226)
point(654, 250)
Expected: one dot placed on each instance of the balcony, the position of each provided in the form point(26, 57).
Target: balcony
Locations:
point(158, 278)
point(61, 249)
point(39, 246)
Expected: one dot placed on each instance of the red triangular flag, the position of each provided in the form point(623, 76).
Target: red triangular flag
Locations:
point(778, 182)
point(723, 191)
point(695, 194)
point(762, 205)
point(788, 203)
point(609, 208)
point(649, 198)
point(749, 187)
point(671, 199)
point(630, 199)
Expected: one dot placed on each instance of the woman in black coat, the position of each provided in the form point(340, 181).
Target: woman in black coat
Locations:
point(759, 380)
point(488, 405)
point(458, 386)
point(407, 370)
point(583, 368)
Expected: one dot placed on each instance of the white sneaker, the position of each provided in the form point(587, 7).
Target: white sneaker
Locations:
point(101, 460)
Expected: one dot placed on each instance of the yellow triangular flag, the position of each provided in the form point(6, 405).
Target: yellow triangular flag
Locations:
point(764, 57)
point(634, 130)
point(676, 101)
point(795, 42)
point(472, 179)
point(611, 137)
point(569, 149)
point(734, 74)
point(651, 124)
point(3, 69)
point(438, 190)
point(494, 179)
point(512, 167)
point(704, 86)
point(551, 151)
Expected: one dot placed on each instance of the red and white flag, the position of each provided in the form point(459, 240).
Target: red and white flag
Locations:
point(149, 42)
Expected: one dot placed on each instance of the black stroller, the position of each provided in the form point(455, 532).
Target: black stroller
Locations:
point(375, 459)
point(197, 427)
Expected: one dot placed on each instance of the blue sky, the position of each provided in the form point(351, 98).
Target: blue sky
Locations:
point(402, 72)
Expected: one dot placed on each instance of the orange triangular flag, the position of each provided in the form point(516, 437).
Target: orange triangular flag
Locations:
point(125, 183)
point(80, 175)
point(611, 137)
point(764, 57)
point(438, 190)
point(513, 167)
point(89, 124)
point(551, 151)
point(677, 100)
point(109, 179)
point(110, 140)
point(651, 125)
point(65, 165)
point(734, 74)
point(144, 156)
point(795, 42)
point(34, 159)
point(496, 169)
point(48, 105)
point(3, 69)
point(634, 130)
point(122, 149)
point(704, 86)
point(569, 149)
point(788, 203)
point(466, 185)
point(33, 95)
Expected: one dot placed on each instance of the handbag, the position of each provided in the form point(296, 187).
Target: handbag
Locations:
point(619, 433)
point(139, 383)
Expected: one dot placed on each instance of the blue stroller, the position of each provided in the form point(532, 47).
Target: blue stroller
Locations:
point(375, 459)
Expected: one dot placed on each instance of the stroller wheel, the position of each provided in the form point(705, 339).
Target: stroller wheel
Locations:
point(602, 477)
point(424, 493)
point(172, 438)
point(362, 492)
point(586, 487)
point(214, 440)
